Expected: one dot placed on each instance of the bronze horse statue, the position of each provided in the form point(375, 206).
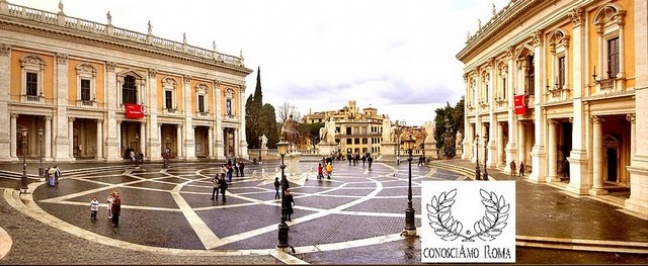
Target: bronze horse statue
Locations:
point(289, 131)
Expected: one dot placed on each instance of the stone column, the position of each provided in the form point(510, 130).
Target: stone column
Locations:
point(633, 134)
point(493, 137)
point(155, 140)
point(210, 141)
point(113, 127)
point(511, 146)
point(142, 143)
point(553, 153)
point(63, 139)
point(597, 154)
point(638, 169)
point(538, 153)
point(179, 146)
point(189, 143)
point(70, 125)
point(521, 143)
point(579, 181)
point(100, 142)
point(218, 144)
point(6, 134)
point(500, 145)
point(12, 135)
point(48, 138)
point(242, 143)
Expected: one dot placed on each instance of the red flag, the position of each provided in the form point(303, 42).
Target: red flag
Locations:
point(134, 110)
point(520, 104)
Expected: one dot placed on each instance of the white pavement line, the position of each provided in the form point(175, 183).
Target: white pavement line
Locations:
point(287, 258)
point(206, 235)
point(5, 242)
point(134, 207)
point(359, 243)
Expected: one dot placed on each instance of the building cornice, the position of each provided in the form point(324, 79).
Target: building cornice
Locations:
point(509, 17)
point(106, 36)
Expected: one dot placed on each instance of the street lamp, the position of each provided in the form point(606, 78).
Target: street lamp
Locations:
point(136, 152)
point(282, 147)
point(23, 183)
point(41, 170)
point(477, 172)
point(485, 157)
point(410, 227)
point(168, 153)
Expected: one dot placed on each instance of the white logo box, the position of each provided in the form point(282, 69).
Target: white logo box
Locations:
point(468, 222)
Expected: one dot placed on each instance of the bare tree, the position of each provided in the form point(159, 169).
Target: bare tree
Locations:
point(287, 109)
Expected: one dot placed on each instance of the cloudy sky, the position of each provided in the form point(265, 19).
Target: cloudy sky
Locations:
point(397, 56)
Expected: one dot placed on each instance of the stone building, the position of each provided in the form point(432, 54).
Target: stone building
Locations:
point(359, 131)
point(555, 81)
point(95, 90)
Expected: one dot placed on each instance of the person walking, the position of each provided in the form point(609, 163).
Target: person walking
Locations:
point(223, 187)
point(329, 170)
point(289, 202)
point(215, 185)
point(512, 165)
point(51, 179)
point(566, 168)
point(116, 210)
point(236, 168)
point(57, 174)
point(111, 199)
point(94, 208)
point(241, 168)
point(320, 170)
point(277, 185)
point(364, 160)
point(369, 160)
point(521, 169)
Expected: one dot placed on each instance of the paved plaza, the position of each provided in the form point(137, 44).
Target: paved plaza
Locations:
point(355, 217)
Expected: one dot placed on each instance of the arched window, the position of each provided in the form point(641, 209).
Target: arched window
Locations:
point(129, 90)
point(609, 22)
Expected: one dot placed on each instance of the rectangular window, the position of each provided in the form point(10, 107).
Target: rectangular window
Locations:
point(503, 88)
point(613, 57)
point(85, 90)
point(561, 71)
point(357, 141)
point(32, 84)
point(349, 141)
point(348, 131)
point(530, 78)
point(229, 107)
point(168, 99)
point(201, 103)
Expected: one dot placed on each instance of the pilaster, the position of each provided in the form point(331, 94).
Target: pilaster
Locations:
point(219, 145)
point(189, 144)
point(511, 146)
point(242, 143)
point(113, 149)
point(154, 151)
point(5, 74)
point(538, 153)
point(62, 135)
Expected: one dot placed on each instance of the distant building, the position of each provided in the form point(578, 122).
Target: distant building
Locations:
point(83, 89)
point(357, 131)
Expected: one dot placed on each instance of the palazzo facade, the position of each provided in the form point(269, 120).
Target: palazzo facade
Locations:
point(86, 90)
point(559, 86)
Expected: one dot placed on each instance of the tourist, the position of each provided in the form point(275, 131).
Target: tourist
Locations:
point(329, 170)
point(223, 187)
point(277, 184)
point(369, 160)
point(521, 169)
point(512, 165)
point(288, 202)
point(116, 210)
point(215, 185)
point(236, 168)
point(111, 199)
point(57, 174)
point(94, 208)
point(364, 160)
point(320, 170)
point(241, 167)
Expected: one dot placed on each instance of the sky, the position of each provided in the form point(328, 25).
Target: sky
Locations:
point(397, 56)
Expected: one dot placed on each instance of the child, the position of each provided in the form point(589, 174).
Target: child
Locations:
point(277, 184)
point(94, 207)
point(320, 171)
point(329, 169)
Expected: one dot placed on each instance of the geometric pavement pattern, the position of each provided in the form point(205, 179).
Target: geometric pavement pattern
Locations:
point(172, 208)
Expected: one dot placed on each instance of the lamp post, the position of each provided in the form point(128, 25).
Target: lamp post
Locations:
point(410, 227)
point(136, 152)
point(23, 180)
point(485, 157)
point(282, 147)
point(167, 152)
point(41, 170)
point(477, 172)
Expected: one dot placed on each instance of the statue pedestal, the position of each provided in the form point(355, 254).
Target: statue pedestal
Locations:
point(458, 151)
point(389, 149)
point(431, 150)
point(292, 164)
point(326, 148)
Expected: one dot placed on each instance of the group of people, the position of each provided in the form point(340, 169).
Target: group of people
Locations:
point(514, 172)
point(365, 158)
point(232, 167)
point(287, 201)
point(114, 208)
point(321, 170)
point(52, 175)
point(219, 185)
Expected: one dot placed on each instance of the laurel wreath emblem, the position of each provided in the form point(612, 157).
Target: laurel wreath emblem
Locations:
point(487, 228)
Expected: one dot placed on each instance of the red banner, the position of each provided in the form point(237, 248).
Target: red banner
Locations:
point(520, 104)
point(134, 110)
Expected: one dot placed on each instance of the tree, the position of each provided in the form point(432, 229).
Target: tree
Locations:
point(287, 109)
point(313, 133)
point(253, 107)
point(268, 125)
point(452, 116)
